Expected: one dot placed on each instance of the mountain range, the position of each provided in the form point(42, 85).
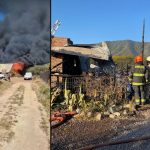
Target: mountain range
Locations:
point(128, 47)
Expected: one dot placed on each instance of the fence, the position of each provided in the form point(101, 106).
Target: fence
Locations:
point(112, 87)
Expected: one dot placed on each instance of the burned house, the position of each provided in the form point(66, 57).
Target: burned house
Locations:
point(86, 68)
point(77, 59)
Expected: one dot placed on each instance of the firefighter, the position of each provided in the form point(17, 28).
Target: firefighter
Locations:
point(148, 79)
point(137, 78)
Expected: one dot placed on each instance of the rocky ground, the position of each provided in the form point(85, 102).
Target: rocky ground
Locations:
point(77, 133)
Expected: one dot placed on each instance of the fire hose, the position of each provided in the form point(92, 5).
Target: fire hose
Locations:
point(59, 118)
point(115, 143)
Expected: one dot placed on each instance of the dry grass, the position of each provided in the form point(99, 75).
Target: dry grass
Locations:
point(43, 93)
point(44, 124)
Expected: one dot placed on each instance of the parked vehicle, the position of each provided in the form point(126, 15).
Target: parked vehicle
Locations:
point(28, 76)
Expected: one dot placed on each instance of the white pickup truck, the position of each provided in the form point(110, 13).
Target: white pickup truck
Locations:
point(28, 76)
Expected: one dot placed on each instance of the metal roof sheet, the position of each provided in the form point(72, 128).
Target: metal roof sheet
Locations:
point(97, 52)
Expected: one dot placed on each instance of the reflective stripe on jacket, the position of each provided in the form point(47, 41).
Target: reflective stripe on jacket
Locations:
point(137, 74)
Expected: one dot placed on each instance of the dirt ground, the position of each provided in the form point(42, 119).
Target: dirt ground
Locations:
point(76, 133)
point(20, 118)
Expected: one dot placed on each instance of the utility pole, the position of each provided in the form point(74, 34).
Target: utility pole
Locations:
point(143, 39)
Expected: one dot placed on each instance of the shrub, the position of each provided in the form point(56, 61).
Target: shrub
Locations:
point(37, 69)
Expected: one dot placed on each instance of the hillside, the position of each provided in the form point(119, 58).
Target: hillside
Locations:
point(127, 47)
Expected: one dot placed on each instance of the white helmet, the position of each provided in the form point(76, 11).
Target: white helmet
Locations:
point(148, 58)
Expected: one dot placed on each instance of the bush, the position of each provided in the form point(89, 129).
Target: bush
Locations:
point(36, 70)
point(123, 59)
point(43, 93)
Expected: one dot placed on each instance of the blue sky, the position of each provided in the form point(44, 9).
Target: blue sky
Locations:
point(92, 21)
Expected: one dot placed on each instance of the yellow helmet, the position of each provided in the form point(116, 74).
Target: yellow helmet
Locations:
point(148, 58)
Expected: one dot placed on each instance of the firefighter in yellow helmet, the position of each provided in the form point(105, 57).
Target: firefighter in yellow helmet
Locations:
point(137, 77)
point(148, 79)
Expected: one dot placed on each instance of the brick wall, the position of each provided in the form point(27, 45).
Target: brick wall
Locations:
point(54, 79)
point(60, 41)
point(55, 61)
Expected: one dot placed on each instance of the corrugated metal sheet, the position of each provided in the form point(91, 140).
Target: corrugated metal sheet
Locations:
point(5, 67)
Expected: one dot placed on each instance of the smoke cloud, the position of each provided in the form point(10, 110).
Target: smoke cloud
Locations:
point(24, 33)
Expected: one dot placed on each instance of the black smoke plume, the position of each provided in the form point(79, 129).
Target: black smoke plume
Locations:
point(24, 32)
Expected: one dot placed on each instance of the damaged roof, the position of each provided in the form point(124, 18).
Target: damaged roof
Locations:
point(91, 51)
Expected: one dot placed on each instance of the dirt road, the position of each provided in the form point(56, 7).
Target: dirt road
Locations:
point(20, 119)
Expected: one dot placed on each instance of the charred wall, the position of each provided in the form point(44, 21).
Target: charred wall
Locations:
point(71, 65)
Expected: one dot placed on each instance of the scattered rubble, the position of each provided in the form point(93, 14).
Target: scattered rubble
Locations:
point(98, 116)
point(117, 114)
